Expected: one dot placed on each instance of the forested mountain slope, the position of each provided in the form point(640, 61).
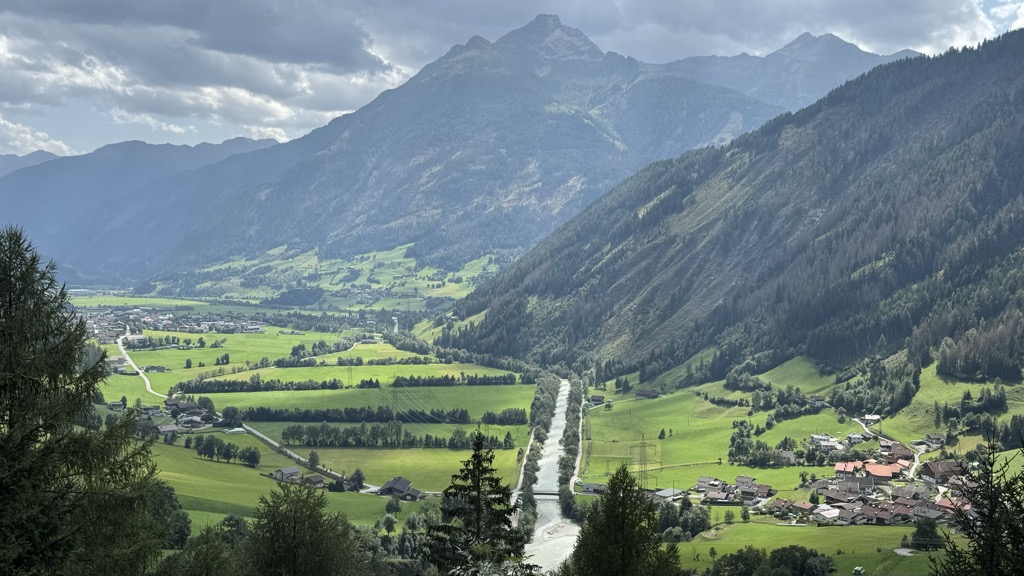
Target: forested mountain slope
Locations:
point(64, 202)
point(889, 213)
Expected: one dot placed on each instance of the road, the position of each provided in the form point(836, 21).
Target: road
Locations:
point(128, 359)
point(915, 450)
point(554, 537)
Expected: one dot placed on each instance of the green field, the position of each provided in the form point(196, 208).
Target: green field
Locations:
point(697, 434)
point(475, 399)
point(130, 387)
point(868, 546)
point(918, 418)
point(409, 284)
point(209, 490)
point(429, 469)
point(272, 345)
point(698, 440)
point(132, 302)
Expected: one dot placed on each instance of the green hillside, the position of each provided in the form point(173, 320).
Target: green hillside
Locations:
point(888, 214)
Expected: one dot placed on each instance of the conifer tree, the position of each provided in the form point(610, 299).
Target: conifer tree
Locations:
point(63, 489)
point(620, 535)
point(478, 511)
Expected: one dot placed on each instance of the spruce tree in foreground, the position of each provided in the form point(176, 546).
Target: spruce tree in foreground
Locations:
point(994, 524)
point(72, 501)
point(292, 535)
point(477, 509)
point(620, 536)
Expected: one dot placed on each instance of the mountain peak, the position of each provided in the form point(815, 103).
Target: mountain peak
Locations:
point(809, 43)
point(546, 39)
point(549, 22)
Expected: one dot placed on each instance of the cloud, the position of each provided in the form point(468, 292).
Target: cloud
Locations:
point(283, 67)
point(19, 139)
point(124, 117)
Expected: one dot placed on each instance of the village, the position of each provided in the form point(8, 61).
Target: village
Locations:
point(889, 489)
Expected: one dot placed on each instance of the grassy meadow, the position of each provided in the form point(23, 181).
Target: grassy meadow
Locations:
point(111, 301)
point(210, 490)
point(870, 547)
point(409, 284)
point(918, 418)
point(241, 348)
point(697, 435)
point(475, 399)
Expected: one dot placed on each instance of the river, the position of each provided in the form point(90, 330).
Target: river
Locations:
point(554, 537)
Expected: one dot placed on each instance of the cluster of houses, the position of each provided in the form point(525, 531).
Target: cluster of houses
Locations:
point(744, 490)
point(106, 325)
point(852, 502)
point(189, 414)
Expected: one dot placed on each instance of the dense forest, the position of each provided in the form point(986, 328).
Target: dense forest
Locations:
point(889, 214)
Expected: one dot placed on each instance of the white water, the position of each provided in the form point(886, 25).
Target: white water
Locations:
point(554, 537)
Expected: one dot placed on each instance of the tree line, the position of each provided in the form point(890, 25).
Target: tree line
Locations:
point(355, 414)
point(449, 380)
point(507, 417)
point(212, 447)
point(384, 435)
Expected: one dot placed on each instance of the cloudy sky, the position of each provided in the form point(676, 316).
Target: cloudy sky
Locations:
point(80, 74)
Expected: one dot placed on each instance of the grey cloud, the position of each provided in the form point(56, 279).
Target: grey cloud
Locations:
point(289, 65)
point(312, 32)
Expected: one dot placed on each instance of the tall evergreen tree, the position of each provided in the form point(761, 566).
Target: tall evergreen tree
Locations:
point(292, 535)
point(992, 526)
point(478, 511)
point(63, 489)
point(620, 535)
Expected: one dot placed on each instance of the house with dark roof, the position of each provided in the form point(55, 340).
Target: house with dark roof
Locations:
point(314, 481)
point(705, 483)
point(643, 394)
point(289, 474)
point(935, 441)
point(940, 471)
point(911, 491)
point(400, 487)
point(717, 497)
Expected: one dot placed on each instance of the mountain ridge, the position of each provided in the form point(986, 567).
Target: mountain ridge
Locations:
point(825, 232)
point(484, 151)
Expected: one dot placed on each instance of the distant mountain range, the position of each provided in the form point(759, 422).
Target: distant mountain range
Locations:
point(888, 215)
point(11, 162)
point(484, 151)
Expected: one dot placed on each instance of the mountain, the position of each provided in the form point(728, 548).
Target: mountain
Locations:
point(791, 77)
point(484, 151)
point(60, 201)
point(11, 162)
point(888, 214)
